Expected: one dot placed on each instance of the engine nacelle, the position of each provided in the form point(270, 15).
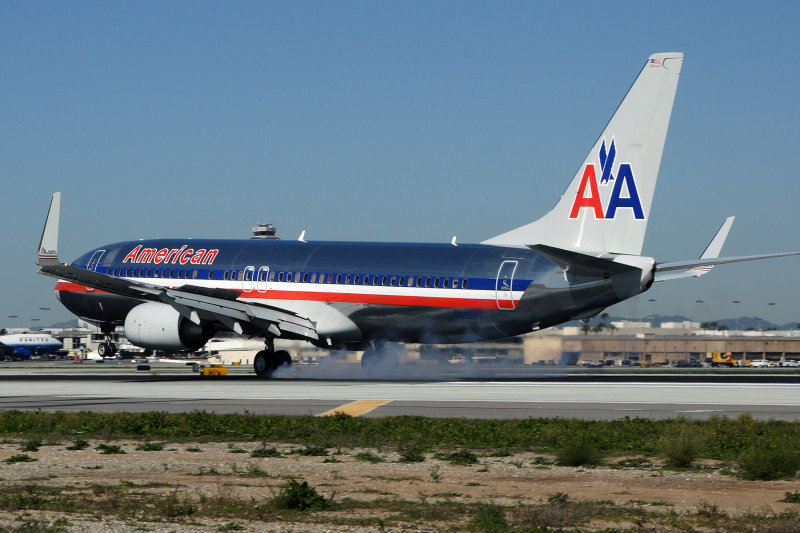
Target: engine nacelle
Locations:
point(160, 327)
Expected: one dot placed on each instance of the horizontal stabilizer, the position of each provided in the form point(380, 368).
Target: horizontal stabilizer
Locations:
point(697, 263)
point(570, 260)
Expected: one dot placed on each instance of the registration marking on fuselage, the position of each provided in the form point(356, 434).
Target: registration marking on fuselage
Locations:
point(356, 408)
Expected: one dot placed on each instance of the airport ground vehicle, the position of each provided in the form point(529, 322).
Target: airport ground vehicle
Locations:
point(726, 359)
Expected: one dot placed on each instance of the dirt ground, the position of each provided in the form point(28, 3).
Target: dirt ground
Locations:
point(213, 469)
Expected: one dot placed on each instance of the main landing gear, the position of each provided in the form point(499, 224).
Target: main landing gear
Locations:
point(107, 348)
point(380, 359)
point(267, 361)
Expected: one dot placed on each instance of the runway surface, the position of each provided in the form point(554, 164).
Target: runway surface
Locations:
point(584, 397)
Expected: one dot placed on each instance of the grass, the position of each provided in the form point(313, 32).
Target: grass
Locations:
point(721, 437)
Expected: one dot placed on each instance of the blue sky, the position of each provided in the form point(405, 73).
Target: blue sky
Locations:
point(404, 121)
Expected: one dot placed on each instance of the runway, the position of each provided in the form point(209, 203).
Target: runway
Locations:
point(598, 398)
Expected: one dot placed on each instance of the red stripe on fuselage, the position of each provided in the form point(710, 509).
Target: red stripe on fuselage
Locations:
point(343, 297)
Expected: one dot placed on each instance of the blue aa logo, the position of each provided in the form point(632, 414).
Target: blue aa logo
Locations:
point(588, 195)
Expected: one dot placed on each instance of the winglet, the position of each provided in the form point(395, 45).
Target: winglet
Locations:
point(713, 249)
point(48, 245)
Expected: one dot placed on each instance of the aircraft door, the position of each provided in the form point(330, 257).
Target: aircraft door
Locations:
point(247, 278)
point(262, 279)
point(504, 284)
point(92, 265)
point(94, 260)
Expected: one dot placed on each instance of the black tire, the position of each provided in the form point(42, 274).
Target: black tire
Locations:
point(103, 350)
point(266, 363)
point(261, 365)
point(282, 358)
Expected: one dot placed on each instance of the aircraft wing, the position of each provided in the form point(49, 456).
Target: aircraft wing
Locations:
point(710, 257)
point(193, 302)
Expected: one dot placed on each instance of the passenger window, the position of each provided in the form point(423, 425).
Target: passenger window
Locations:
point(383, 280)
point(419, 282)
point(427, 282)
point(338, 278)
point(366, 279)
point(321, 278)
point(180, 274)
point(357, 280)
point(374, 280)
point(394, 281)
point(436, 283)
point(297, 277)
point(314, 277)
point(305, 277)
point(289, 276)
point(446, 283)
point(347, 279)
point(463, 284)
point(455, 283)
point(402, 280)
point(330, 278)
point(194, 274)
point(272, 276)
point(210, 274)
point(411, 281)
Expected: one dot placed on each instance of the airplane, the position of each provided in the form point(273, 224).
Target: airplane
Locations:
point(16, 346)
point(581, 257)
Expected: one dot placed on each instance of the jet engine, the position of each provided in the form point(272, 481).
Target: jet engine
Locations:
point(160, 327)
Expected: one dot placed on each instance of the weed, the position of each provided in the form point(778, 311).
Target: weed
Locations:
point(237, 450)
point(436, 473)
point(31, 445)
point(489, 518)
point(369, 457)
point(681, 450)
point(473, 484)
point(313, 451)
point(768, 462)
point(413, 454)
point(255, 471)
point(148, 446)
point(461, 457)
point(194, 449)
point(331, 460)
point(109, 449)
point(20, 458)
point(578, 449)
point(791, 497)
point(501, 452)
point(301, 497)
point(559, 498)
point(542, 461)
point(79, 444)
point(265, 452)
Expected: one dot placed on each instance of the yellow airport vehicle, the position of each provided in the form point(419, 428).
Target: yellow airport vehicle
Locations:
point(726, 359)
point(215, 370)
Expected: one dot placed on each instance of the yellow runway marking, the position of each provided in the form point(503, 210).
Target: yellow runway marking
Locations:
point(359, 407)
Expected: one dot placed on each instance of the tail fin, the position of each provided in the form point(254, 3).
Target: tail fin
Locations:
point(606, 206)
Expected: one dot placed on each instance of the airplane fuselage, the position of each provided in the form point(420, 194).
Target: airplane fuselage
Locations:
point(355, 291)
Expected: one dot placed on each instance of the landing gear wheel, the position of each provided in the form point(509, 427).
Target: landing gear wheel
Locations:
point(266, 362)
point(106, 349)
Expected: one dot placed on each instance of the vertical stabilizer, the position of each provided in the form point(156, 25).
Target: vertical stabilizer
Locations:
point(606, 206)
